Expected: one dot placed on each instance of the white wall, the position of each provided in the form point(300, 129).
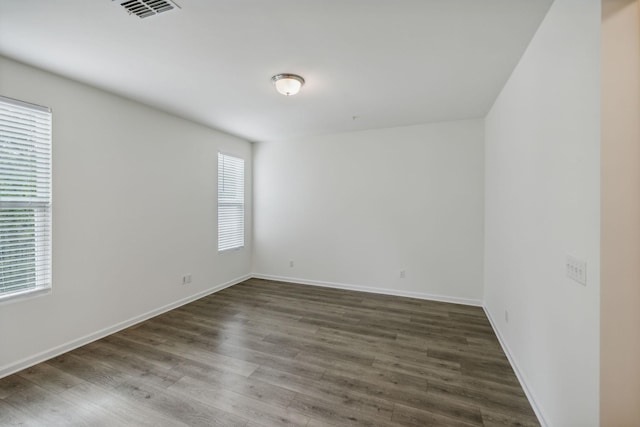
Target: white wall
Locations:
point(354, 209)
point(620, 246)
point(542, 202)
point(134, 208)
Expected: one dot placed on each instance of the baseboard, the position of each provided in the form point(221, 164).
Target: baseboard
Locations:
point(56, 351)
point(521, 378)
point(359, 288)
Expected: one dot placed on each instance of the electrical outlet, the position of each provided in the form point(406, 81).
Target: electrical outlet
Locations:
point(291, 263)
point(186, 279)
point(576, 270)
point(403, 274)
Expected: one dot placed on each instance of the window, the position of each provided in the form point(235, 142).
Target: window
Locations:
point(25, 198)
point(230, 202)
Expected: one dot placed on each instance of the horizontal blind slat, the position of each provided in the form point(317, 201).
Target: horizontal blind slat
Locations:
point(37, 146)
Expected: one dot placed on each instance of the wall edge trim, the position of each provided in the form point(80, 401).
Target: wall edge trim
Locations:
point(519, 374)
point(79, 342)
point(359, 288)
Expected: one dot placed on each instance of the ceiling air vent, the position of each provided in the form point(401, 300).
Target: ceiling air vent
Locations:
point(146, 8)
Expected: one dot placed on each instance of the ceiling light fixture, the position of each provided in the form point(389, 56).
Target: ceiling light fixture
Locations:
point(287, 84)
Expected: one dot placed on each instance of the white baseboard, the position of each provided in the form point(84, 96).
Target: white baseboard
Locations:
point(521, 378)
point(58, 350)
point(359, 288)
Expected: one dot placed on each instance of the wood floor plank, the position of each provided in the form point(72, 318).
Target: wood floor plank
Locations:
point(11, 416)
point(120, 409)
point(328, 412)
point(323, 349)
point(212, 338)
point(51, 409)
point(264, 353)
point(501, 402)
point(260, 410)
point(132, 342)
point(453, 352)
point(381, 348)
point(355, 327)
point(500, 419)
point(380, 377)
point(418, 364)
point(294, 366)
point(13, 384)
point(327, 391)
point(414, 417)
point(178, 407)
point(408, 395)
point(50, 378)
point(178, 350)
point(87, 369)
point(129, 361)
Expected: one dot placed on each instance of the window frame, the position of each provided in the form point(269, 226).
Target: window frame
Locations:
point(40, 148)
point(242, 204)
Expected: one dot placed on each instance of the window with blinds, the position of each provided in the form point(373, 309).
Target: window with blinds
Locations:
point(25, 198)
point(230, 202)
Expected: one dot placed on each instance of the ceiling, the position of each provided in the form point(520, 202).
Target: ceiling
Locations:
point(367, 63)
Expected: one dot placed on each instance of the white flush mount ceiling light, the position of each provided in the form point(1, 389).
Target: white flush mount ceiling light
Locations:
point(287, 84)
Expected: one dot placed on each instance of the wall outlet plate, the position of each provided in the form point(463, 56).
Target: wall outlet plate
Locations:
point(576, 270)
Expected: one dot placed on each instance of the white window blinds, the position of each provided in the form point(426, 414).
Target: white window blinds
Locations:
point(25, 197)
point(230, 202)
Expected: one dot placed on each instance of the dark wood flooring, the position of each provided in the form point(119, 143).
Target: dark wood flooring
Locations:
point(265, 353)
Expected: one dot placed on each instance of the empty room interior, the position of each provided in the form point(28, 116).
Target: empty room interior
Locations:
point(320, 213)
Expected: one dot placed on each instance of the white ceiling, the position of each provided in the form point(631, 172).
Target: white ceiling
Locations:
point(387, 62)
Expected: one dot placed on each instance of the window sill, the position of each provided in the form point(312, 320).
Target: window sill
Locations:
point(24, 295)
point(231, 250)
